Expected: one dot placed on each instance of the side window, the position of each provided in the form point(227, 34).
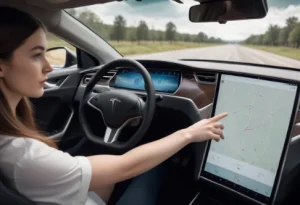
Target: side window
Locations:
point(60, 54)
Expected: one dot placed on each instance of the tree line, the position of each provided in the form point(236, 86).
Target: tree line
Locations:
point(119, 31)
point(289, 35)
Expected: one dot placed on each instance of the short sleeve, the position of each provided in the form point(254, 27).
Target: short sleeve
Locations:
point(50, 176)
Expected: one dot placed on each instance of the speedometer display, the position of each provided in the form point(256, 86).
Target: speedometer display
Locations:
point(164, 81)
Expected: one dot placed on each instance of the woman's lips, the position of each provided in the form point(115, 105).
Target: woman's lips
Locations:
point(43, 82)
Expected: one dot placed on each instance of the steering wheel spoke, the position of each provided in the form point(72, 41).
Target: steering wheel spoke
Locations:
point(111, 135)
point(92, 101)
point(93, 97)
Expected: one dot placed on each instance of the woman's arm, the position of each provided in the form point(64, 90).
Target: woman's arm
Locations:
point(111, 169)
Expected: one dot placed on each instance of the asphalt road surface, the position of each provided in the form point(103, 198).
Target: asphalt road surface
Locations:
point(226, 53)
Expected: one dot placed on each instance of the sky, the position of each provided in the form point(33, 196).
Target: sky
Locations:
point(157, 13)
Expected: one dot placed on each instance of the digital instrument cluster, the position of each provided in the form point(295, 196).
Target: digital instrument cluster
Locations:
point(163, 80)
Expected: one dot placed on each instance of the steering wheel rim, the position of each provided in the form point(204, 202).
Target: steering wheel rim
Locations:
point(148, 107)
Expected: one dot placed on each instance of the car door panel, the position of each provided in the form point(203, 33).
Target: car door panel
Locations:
point(54, 110)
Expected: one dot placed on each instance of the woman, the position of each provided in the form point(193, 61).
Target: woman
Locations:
point(31, 161)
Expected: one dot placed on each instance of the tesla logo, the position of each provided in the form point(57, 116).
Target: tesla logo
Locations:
point(114, 101)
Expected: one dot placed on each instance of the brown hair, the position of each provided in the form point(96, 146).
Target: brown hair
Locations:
point(16, 26)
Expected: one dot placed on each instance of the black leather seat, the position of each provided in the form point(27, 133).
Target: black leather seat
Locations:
point(8, 195)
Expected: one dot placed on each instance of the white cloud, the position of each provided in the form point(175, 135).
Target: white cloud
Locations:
point(157, 15)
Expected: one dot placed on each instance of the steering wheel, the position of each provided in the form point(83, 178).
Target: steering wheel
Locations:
point(118, 107)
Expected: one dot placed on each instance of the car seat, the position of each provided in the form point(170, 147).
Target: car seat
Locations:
point(9, 195)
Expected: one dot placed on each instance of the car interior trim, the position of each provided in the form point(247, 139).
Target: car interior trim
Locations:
point(61, 133)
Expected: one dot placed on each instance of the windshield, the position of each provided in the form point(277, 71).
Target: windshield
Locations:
point(160, 29)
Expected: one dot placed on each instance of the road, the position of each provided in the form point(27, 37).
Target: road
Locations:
point(226, 53)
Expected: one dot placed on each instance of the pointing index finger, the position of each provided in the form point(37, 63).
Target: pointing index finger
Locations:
point(218, 117)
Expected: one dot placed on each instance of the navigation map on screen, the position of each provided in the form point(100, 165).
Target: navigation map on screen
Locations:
point(255, 131)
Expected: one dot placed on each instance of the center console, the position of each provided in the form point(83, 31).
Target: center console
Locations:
point(214, 196)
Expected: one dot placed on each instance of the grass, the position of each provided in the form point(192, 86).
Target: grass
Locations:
point(131, 48)
point(293, 53)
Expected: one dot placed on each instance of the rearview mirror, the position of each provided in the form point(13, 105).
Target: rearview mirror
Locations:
point(223, 11)
point(61, 57)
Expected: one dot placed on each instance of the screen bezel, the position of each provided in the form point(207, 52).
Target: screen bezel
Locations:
point(258, 198)
point(113, 80)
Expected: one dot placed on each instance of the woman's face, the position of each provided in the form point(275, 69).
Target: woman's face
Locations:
point(25, 73)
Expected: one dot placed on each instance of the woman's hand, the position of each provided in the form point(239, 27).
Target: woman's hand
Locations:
point(206, 129)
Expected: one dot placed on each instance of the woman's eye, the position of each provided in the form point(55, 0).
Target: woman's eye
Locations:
point(37, 56)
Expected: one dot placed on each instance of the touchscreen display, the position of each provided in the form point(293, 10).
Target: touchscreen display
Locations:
point(164, 81)
point(256, 132)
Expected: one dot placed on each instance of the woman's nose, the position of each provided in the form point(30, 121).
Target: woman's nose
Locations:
point(47, 67)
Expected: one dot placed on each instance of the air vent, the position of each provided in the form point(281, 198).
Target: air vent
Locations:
point(87, 78)
point(109, 75)
point(205, 77)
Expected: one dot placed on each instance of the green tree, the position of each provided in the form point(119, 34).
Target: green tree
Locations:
point(294, 37)
point(272, 35)
point(153, 35)
point(193, 38)
point(201, 37)
point(187, 38)
point(142, 31)
point(119, 29)
point(132, 37)
point(249, 40)
point(161, 36)
point(170, 31)
point(212, 40)
point(275, 35)
point(89, 18)
point(291, 22)
point(259, 40)
point(266, 39)
point(219, 40)
point(178, 37)
point(92, 21)
point(131, 34)
point(283, 36)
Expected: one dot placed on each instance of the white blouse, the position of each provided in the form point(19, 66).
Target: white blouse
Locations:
point(45, 175)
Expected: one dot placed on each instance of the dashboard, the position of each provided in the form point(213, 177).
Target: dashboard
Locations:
point(191, 80)
point(186, 84)
point(164, 81)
